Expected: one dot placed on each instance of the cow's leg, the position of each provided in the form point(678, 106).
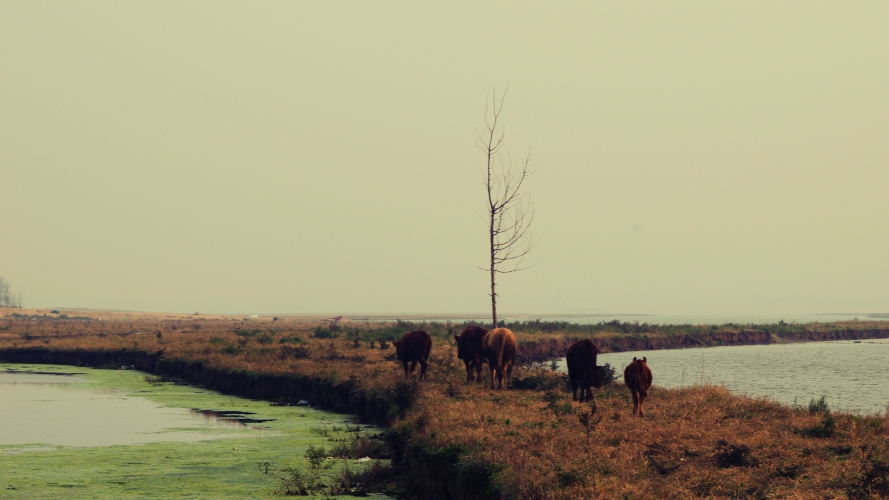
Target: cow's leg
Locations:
point(584, 386)
point(405, 369)
point(499, 377)
point(574, 389)
point(642, 403)
point(493, 373)
point(469, 367)
point(423, 365)
point(413, 367)
point(478, 368)
point(635, 402)
point(509, 373)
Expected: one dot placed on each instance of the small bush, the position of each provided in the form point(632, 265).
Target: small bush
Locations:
point(875, 479)
point(401, 397)
point(825, 429)
point(317, 456)
point(295, 483)
point(293, 339)
point(731, 455)
point(323, 333)
point(569, 478)
point(539, 379)
point(265, 338)
point(819, 406)
point(828, 424)
point(231, 349)
point(607, 373)
point(297, 352)
point(332, 351)
point(558, 403)
point(360, 447)
point(242, 332)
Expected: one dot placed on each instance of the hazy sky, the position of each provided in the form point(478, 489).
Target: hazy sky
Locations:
point(320, 157)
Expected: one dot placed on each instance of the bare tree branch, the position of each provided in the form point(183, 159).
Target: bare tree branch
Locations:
point(510, 212)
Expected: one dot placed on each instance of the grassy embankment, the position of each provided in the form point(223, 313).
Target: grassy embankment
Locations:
point(469, 441)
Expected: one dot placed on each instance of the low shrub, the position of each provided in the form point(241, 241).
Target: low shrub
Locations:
point(297, 352)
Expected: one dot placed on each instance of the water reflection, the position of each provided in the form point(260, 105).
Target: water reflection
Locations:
point(850, 374)
point(236, 419)
point(42, 408)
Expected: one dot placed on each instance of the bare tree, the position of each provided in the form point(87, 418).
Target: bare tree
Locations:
point(4, 293)
point(8, 299)
point(510, 212)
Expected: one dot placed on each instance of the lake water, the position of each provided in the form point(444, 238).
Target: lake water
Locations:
point(850, 374)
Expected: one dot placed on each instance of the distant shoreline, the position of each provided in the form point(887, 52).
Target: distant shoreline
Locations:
point(577, 318)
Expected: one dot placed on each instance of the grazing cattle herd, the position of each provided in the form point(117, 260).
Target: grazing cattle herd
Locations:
point(477, 346)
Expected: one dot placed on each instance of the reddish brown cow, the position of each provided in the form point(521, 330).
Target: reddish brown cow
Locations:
point(469, 349)
point(582, 368)
point(413, 347)
point(499, 348)
point(638, 378)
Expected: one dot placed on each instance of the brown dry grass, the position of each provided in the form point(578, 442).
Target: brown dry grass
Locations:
point(694, 442)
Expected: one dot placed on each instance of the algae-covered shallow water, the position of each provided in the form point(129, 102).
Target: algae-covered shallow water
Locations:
point(69, 432)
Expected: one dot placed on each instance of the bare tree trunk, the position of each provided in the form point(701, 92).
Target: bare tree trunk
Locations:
point(509, 216)
point(493, 275)
point(4, 292)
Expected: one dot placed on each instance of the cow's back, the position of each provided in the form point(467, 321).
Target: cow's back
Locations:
point(637, 376)
point(414, 346)
point(470, 342)
point(582, 354)
point(499, 345)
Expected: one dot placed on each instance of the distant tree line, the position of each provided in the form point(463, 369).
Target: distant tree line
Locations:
point(7, 298)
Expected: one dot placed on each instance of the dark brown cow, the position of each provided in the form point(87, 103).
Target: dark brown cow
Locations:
point(413, 347)
point(499, 349)
point(469, 349)
point(638, 378)
point(582, 368)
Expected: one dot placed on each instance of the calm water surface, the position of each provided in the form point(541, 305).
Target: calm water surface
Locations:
point(851, 375)
point(46, 409)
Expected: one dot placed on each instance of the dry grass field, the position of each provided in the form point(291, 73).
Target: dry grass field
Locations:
point(532, 440)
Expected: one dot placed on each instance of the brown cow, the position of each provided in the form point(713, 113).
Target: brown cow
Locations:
point(413, 347)
point(469, 349)
point(582, 368)
point(638, 378)
point(499, 348)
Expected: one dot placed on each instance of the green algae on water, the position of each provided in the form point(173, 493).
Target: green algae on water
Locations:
point(248, 457)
